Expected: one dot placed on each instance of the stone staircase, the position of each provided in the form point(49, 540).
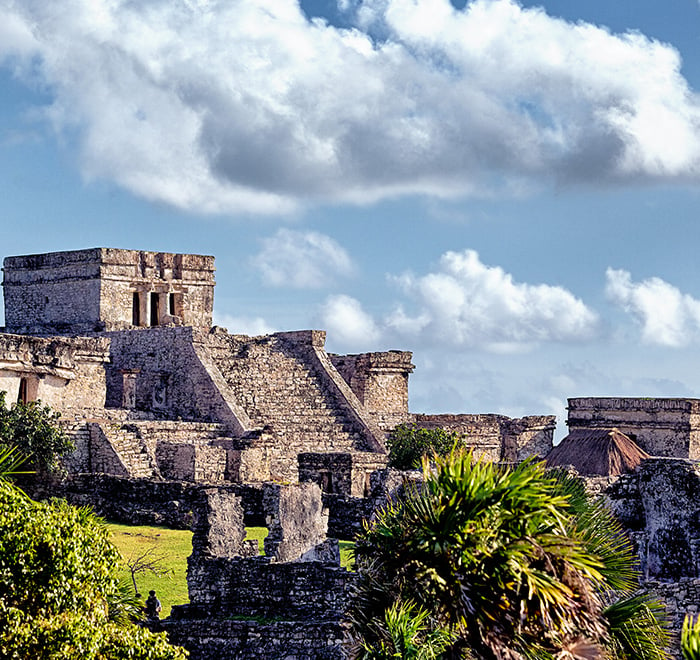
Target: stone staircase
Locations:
point(129, 450)
point(279, 387)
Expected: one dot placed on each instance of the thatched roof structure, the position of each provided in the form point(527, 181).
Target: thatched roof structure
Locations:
point(599, 452)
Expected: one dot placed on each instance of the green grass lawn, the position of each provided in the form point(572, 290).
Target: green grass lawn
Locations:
point(169, 549)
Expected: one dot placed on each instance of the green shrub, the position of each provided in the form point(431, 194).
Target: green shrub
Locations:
point(59, 594)
point(34, 430)
point(408, 444)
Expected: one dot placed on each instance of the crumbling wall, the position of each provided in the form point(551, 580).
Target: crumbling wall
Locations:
point(216, 639)
point(380, 382)
point(296, 521)
point(148, 502)
point(660, 505)
point(298, 606)
point(662, 427)
point(67, 374)
point(497, 437)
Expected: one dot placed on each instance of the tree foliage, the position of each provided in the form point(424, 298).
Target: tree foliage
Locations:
point(408, 444)
point(511, 563)
point(33, 429)
point(59, 595)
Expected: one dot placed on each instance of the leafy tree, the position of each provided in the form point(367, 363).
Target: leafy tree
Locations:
point(408, 444)
point(59, 595)
point(511, 563)
point(34, 430)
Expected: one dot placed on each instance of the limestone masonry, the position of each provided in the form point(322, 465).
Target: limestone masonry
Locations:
point(121, 343)
point(180, 423)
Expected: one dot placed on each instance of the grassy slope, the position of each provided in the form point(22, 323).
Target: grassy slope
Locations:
point(171, 548)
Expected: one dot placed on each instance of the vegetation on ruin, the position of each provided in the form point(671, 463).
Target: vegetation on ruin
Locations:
point(33, 429)
point(60, 597)
point(408, 444)
point(489, 562)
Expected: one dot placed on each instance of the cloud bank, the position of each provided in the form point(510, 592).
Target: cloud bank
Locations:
point(667, 316)
point(232, 106)
point(465, 303)
point(302, 260)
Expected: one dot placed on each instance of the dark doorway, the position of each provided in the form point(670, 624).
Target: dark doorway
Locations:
point(136, 310)
point(155, 312)
point(23, 394)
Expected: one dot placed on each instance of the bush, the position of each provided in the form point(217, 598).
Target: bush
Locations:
point(59, 595)
point(408, 444)
point(34, 430)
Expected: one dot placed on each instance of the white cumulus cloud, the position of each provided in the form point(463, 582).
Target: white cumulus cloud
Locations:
point(303, 260)
point(465, 302)
point(248, 106)
point(667, 316)
point(348, 324)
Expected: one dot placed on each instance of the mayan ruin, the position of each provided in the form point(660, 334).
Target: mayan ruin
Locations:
point(180, 423)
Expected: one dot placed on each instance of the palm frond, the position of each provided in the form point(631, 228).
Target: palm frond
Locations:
point(11, 459)
point(638, 628)
point(690, 638)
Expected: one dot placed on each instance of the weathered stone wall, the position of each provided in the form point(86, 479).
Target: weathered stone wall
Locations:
point(379, 380)
point(191, 462)
point(345, 515)
point(170, 378)
point(148, 502)
point(257, 586)
point(52, 293)
point(85, 291)
point(341, 473)
point(223, 639)
point(662, 427)
point(497, 437)
point(680, 598)
point(66, 374)
point(296, 521)
point(332, 472)
point(660, 505)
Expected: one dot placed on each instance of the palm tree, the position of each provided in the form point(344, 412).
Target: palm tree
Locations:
point(503, 560)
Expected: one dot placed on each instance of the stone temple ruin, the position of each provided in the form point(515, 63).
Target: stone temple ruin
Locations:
point(181, 423)
point(121, 343)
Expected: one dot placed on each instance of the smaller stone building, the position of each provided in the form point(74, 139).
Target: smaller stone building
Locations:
point(660, 426)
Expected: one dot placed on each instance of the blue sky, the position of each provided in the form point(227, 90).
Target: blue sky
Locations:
point(507, 189)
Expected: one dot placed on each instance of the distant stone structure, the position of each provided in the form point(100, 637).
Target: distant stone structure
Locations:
point(660, 426)
point(121, 343)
